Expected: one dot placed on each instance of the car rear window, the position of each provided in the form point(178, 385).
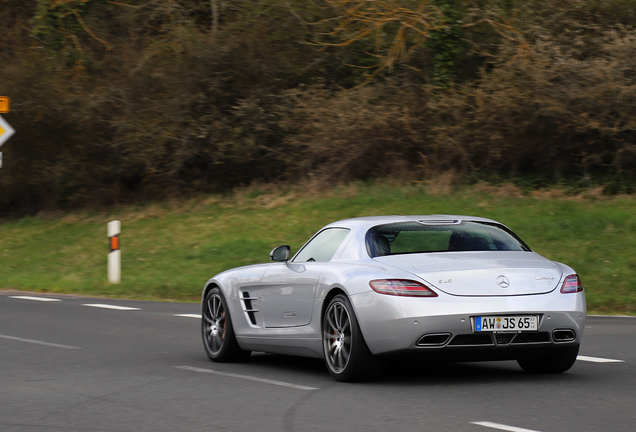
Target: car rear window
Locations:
point(446, 236)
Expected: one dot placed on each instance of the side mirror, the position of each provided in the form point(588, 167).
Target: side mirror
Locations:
point(281, 253)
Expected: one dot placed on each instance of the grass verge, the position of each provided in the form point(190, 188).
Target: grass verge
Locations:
point(170, 249)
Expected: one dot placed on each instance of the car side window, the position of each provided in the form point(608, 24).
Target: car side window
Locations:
point(323, 246)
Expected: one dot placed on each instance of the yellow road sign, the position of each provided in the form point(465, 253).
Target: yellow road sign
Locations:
point(4, 104)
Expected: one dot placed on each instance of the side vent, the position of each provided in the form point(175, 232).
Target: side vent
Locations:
point(248, 306)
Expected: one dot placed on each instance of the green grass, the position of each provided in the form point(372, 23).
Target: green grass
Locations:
point(170, 249)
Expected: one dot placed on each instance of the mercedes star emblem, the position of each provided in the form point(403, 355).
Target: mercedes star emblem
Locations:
point(503, 281)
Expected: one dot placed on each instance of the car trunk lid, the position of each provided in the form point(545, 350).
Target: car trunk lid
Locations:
point(484, 273)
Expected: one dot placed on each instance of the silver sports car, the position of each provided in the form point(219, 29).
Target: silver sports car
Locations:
point(360, 290)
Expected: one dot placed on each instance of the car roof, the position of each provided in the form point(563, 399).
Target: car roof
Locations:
point(371, 221)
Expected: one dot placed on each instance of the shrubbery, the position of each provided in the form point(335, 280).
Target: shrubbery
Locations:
point(117, 102)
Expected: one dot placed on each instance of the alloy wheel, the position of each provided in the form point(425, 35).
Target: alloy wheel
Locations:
point(214, 326)
point(337, 337)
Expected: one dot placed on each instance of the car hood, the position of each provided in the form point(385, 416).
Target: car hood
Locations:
point(487, 273)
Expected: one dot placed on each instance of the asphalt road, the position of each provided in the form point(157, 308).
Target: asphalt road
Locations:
point(67, 366)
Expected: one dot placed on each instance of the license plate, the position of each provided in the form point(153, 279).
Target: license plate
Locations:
point(513, 323)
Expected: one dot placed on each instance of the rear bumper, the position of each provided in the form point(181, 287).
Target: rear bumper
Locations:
point(447, 324)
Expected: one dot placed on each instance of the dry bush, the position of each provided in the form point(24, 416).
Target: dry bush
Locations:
point(557, 101)
point(362, 133)
point(169, 110)
point(547, 111)
point(175, 108)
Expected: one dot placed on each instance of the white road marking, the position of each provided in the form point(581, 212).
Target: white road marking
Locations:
point(502, 427)
point(188, 315)
point(598, 359)
point(247, 377)
point(107, 306)
point(43, 299)
point(38, 342)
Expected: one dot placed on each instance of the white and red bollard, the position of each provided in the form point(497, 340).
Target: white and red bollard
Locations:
point(114, 256)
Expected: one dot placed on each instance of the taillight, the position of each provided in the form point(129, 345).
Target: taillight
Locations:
point(571, 284)
point(401, 287)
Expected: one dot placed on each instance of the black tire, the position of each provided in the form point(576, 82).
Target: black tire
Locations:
point(555, 361)
point(219, 340)
point(346, 354)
